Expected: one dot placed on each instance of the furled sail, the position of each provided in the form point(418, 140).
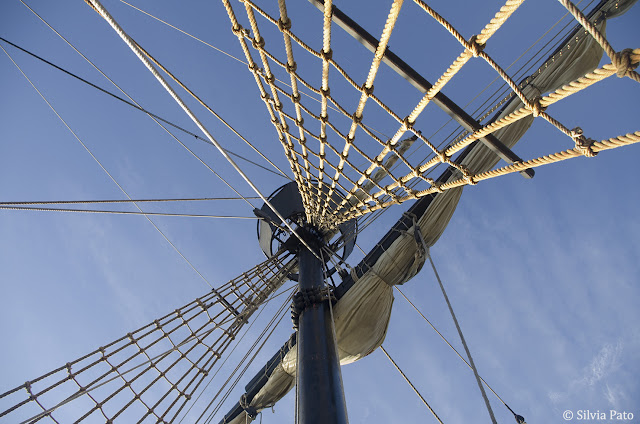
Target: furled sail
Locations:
point(365, 297)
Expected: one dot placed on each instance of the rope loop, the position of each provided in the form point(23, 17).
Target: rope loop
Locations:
point(356, 119)
point(623, 64)
point(237, 30)
point(475, 47)
point(325, 93)
point(300, 122)
point(328, 55)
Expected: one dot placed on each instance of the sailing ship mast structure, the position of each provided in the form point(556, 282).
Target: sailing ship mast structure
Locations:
point(248, 303)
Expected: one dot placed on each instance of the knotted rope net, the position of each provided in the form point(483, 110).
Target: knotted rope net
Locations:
point(329, 154)
point(151, 373)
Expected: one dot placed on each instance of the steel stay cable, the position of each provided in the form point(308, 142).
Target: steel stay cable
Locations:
point(462, 339)
point(67, 202)
point(228, 356)
point(281, 310)
point(284, 313)
point(107, 172)
point(235, 383)
point(451, 346)
point(411, 384)
point(96, 211)
point(206, 106)
point(232, 57)
point(136, 104)
point(123, 35)
point(140, 108)
point(130, 98)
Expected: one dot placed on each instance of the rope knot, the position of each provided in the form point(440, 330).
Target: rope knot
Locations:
point(284, 25)
point(325, 93)
point(291, 68)
point(237, 30)
point(622, 62)
point(468, 177)
point(258, 43)
point(475, 47)
point(367, 90)
point(437, 186)
point(443, 157)
point(536, 107)
point(250, 410)
point(583, 144)
point(407, 124)
point(327, 55)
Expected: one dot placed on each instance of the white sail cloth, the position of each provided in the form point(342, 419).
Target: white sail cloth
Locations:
point(362, 314)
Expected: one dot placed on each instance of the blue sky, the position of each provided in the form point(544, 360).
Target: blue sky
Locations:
point(542, 273)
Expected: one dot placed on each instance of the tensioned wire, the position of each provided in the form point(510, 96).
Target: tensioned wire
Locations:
point(137, 106)
point(237, 344)
point(132, 100)
point(274, 324)
point(104, 169)
point(145, 59)
point(231, 56)
point(196, 38)
point(112, 212)
point(372, 217)
point(66, 202)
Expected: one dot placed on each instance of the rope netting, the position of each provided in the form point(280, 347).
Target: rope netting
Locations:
point(342, 167)
point(149, 374)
